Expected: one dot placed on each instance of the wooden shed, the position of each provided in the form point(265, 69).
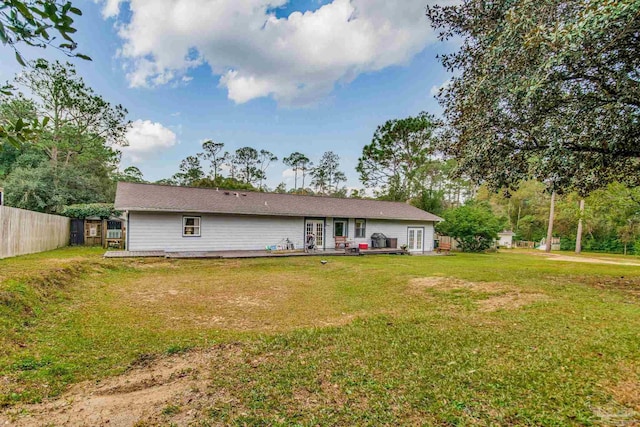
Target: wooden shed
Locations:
point(93, 231)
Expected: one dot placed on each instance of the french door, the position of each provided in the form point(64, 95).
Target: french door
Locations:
point(315, 227)
point(415, 239)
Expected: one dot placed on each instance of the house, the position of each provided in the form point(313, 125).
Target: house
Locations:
point(174, 219)
point(505, 239)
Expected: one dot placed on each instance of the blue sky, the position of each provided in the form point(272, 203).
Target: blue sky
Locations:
point(249, 73)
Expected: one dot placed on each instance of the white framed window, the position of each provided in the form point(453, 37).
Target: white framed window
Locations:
point(191, 226)
point(361, 228)
point(340, 228)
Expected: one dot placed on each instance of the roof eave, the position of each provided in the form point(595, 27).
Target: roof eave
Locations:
point(300, 215)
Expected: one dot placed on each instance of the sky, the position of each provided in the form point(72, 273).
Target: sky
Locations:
point(299, 75)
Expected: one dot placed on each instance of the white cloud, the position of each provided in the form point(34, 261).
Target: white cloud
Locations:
point(111, 8)
point(146, 138)
point(435, 90)
point(288, 173)
point(296, 60)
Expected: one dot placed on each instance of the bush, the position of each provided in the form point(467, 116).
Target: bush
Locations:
point(100, 210)
point(473, 226)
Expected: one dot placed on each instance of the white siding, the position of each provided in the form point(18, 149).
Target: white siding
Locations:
point(390, 228)
point(150, 231)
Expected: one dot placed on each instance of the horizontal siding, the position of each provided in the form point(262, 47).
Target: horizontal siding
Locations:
point(163, 231)
point(391, 229)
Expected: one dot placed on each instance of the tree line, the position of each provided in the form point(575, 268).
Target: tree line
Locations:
point(541, 114)
point(246, 168)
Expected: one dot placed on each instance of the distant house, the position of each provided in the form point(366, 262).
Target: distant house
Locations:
point(168, 218)
point(505, 239)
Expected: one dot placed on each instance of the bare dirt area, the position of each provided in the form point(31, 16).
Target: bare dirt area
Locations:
point(588, 260)
point(501, 296)
point(150, 393)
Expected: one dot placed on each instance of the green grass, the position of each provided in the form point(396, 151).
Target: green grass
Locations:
point(523, 341)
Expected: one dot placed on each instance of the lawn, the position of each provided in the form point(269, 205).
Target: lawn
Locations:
point(496, 339)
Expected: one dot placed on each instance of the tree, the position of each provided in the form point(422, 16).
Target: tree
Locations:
point(72, 158)
point(129, 174)
point(247, 160)
point(298, 162)
point(327, 176)
point(473, 226)
point(77, 119)
point(305, 165)
point(552, 208)
point(281, 188)
point(398, 152)
point(546, 89)
point(47, 189)
point(264, 160)
point(221, 182)
point(190, 171)
point(430, 201)
point(213, 153)
point(629, 233)
point(34, 23)
point(293, 161)
point(579, 232)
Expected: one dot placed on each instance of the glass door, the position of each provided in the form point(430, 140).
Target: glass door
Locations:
point(316, 228)
point(415, 239)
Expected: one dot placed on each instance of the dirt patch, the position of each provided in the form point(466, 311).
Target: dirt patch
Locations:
point(510, 301)
point(627, 391)
point(141, 395)
point(149, 265)
point(588, 260)
point(447, 283)
point(624, 410)
point(503, 297)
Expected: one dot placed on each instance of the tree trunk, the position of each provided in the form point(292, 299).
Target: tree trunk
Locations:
point(550, 228)
point(579, 233)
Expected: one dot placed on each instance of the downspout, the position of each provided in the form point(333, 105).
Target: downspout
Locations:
point(128, 231)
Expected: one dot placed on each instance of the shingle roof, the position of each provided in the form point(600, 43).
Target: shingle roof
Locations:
point(153, 197)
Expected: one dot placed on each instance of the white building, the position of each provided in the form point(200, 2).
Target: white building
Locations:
point(505, 239)
point(177, 219)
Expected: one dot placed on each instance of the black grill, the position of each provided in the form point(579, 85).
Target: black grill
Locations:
point(378, 240)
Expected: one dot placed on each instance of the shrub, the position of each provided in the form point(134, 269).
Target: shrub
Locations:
point(101, 210)
point(473, 226)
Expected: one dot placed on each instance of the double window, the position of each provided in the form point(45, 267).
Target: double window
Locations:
point(191, 226)
point(361, 228)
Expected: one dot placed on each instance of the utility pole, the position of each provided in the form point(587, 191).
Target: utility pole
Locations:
point(550, 228)
point(579, 233)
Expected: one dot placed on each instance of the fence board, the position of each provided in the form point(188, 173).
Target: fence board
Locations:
point(26, 232)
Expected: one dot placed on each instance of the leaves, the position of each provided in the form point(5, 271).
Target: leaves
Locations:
point(474, 226)
point(326, 176)
point(545, 90)
point(82, 211)
point(29, 22)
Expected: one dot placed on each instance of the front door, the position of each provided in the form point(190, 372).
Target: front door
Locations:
point(315, 227)
point(415, 239)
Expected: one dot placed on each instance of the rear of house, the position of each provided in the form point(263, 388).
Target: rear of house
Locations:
point(176, 219)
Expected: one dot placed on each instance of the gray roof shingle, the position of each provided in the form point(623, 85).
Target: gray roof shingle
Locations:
point(153, 197)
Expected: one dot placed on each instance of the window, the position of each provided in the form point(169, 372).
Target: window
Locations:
point(340, 228)
point(191, 226)
point(361, 226)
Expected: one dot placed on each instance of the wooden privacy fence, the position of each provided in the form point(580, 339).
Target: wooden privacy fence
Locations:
point(26, 232)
